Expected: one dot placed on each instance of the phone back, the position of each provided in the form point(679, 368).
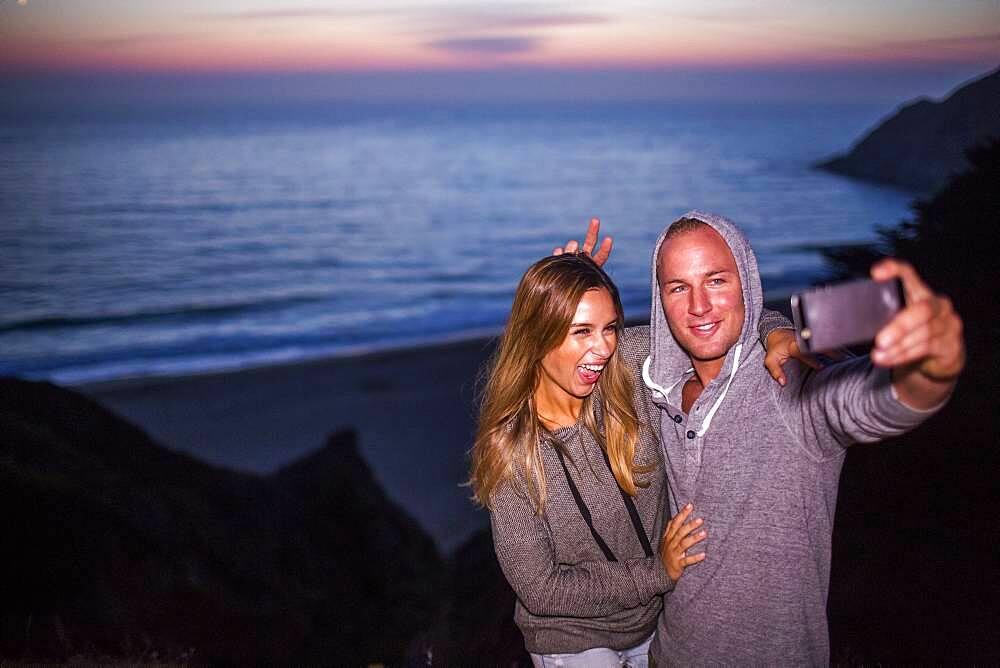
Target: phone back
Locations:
point(843, 314)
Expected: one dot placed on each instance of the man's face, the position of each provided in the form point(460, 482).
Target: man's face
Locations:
point(701, 294)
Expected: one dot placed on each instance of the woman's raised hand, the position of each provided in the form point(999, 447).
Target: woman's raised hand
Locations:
point(589, 242)
point(678, 537)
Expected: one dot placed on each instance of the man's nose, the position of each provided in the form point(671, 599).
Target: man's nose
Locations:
point(699, 304)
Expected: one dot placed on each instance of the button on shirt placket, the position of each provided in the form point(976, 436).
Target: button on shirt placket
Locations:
point(690, 453)
point(692, 449)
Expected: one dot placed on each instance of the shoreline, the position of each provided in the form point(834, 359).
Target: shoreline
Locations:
point(360, 351)
point(775, 300)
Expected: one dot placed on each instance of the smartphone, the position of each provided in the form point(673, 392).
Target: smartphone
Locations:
point(844, 314)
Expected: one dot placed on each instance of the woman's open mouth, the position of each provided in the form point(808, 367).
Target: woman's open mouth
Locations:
point(590, 373)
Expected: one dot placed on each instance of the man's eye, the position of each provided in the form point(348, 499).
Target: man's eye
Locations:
point(716, 281)
point(676, 288)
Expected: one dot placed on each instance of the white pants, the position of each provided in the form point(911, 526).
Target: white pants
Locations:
point(598, 657)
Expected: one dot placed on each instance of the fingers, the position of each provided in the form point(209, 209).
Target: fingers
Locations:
point(679, 536)
point(684, 531)
point(911, 327)
point(935, 342)
point(913, 286)
point(693, 559)
point(692, 539)
point(905, 339)
point(590, 240)
point(914, 344)
point(778, 343)
point(927, 333)
point(908, 319)
point(772, 362)
point(781, 347)
point(602, 254)
point(604, 251)
point(674, 525)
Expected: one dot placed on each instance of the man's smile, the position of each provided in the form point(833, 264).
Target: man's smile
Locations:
point(705, 330)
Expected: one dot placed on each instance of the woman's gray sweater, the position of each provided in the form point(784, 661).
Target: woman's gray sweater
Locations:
point(569, 596)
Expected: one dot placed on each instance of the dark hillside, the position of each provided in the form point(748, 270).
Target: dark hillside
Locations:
point(915, 545)
point(120, 549)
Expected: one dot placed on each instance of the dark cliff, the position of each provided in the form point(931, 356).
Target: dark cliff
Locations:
point(120, 549)
point(923, 144)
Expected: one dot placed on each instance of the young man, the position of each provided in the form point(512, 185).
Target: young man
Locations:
point(760, 462)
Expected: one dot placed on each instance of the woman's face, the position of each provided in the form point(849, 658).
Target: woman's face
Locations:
point(575, 366)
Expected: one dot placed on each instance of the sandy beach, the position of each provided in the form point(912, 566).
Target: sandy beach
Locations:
point(412, 409)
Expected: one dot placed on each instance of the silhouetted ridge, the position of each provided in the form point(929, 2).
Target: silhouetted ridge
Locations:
point(924, 143)
point(120, 549)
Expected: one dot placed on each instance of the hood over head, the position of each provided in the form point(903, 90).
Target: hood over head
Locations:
point(668, 362)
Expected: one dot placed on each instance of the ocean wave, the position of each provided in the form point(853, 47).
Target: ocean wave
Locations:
point(146, 209)
point(187, 313)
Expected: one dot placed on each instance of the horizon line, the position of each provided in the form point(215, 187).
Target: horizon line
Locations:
point(758, 67)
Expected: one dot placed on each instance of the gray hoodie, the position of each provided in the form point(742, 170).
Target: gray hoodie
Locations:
point(761, 465)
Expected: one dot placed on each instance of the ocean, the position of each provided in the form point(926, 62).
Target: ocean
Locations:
point(163, 241)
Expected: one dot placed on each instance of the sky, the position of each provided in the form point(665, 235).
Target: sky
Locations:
point(515, 48)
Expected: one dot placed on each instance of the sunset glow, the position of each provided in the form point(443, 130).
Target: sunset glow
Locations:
point(253, 36)
point(468, 49)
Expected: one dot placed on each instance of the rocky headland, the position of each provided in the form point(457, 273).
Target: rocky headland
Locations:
point(923, 144)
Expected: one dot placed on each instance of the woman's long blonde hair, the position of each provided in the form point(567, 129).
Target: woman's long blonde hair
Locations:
point(507, 439)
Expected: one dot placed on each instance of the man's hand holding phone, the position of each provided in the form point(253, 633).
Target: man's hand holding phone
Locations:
point(917, 333)
point(923, 343)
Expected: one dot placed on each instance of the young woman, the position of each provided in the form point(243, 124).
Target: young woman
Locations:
point(567, 464)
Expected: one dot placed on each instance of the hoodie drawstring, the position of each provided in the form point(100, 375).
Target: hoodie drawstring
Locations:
point(729, 381)
point(651, 384)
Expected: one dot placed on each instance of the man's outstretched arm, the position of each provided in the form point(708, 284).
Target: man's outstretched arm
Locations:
point(910, 372)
